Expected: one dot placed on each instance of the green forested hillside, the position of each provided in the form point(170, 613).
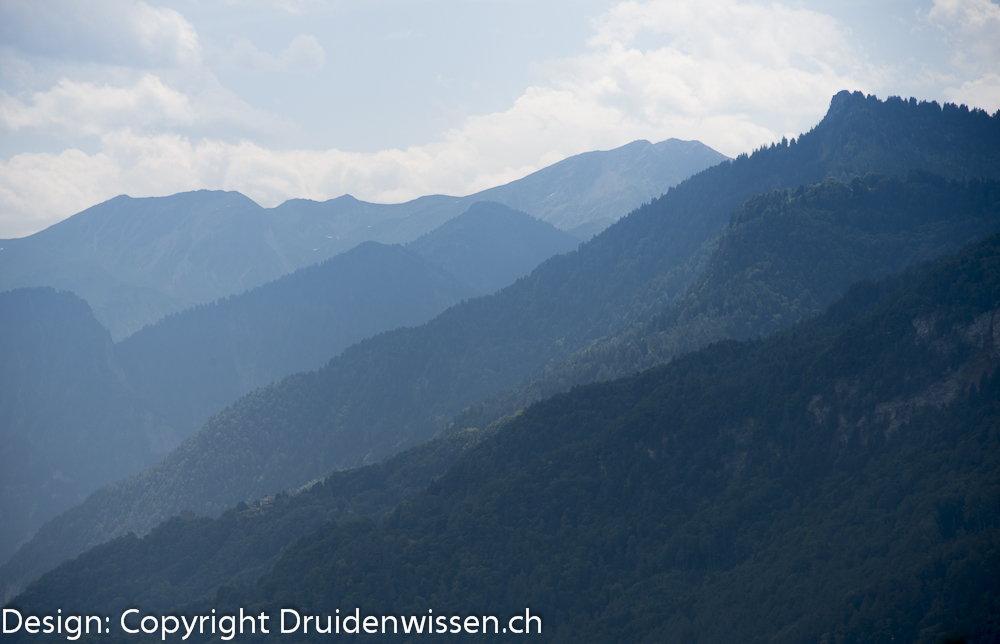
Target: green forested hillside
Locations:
point(193, 364)
point(402, 387)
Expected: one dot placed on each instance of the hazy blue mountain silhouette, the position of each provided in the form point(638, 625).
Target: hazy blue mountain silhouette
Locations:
point(137, 260)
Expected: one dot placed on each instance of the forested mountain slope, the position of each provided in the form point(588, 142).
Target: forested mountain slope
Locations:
point(837, 482)
point(137, 260)
point(399, 388)
point(67, 414)
point(783, 258)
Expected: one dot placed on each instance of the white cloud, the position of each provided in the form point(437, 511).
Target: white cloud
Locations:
point(38, 190)
point(984, 92)
point(765, 70)
point(973, 27)
point(89, 109)
point(117, 32)
point(147, 105)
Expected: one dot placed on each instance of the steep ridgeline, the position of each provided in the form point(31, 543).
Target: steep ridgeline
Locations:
point(839, 481)
point(588, 192)
point(193, 364)
point(400, 388)
point(490, 246)
point(137, 260)
point(583, 194)
point(784, 257)
point(67, 415)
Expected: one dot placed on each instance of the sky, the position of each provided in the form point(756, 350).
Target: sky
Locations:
point(388, 100)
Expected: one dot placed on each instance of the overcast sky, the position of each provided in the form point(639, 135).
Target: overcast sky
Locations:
point(388, 100)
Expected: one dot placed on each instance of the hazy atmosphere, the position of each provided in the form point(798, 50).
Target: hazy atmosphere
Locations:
point(388, 100)
point(672, 321)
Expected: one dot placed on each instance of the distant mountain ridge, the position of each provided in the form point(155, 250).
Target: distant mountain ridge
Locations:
point(137, 260)
point(137, 399)
point(191, 365)
point(490, 245)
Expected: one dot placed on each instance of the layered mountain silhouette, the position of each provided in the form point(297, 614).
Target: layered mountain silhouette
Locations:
point(137, 399)
point(68, 415)
point(838, 481)
point(403, 387)
point(136, 260)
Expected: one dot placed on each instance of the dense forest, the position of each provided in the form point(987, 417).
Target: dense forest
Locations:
point(839, 481)
point(401, 388)
point(785, 256)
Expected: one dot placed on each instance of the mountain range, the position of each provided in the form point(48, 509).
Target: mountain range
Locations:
point(403, 387)
point(140, 397)
point(137, 260)
point(836, 481)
